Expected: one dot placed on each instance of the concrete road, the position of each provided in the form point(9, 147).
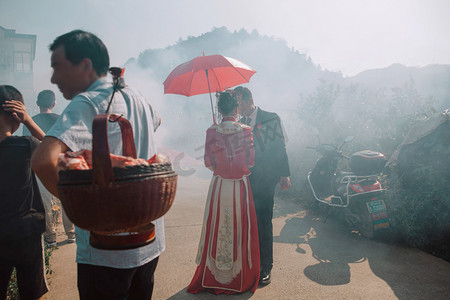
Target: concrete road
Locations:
point(312, 260)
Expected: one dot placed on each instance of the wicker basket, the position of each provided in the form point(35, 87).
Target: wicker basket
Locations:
point(107, 200)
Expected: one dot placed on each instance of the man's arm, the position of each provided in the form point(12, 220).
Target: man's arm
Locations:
point(279, 150)
point(280, 153)
point(44, 162)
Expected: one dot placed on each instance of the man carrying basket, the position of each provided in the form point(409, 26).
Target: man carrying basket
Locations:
point(80, 62)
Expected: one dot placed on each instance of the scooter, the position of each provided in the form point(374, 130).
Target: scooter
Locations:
point(357, 195)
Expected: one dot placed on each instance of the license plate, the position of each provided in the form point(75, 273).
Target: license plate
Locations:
point(380, 218)
point(376, 206)
point(381, 225)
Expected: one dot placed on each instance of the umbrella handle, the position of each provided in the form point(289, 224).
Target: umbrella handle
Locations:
point(210, 97)
point(212, 109)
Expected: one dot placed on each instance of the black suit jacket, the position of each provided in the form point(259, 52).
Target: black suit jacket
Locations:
point(271, 160)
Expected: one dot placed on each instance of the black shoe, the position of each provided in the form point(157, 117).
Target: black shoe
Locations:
point(265, 280)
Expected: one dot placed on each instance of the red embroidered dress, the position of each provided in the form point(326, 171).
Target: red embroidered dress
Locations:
point(228, 253)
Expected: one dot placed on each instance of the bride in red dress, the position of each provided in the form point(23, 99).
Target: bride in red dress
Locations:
point(228, 253)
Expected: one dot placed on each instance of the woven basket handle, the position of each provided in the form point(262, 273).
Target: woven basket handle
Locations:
point(102, 168)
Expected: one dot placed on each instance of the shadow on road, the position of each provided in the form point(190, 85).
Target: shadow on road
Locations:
point(411, 274)
point(332, 249)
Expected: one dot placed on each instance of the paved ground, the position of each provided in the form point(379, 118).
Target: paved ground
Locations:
point(313, 260)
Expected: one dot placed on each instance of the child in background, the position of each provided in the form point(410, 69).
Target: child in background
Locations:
point(45, 120)
point(22, 215)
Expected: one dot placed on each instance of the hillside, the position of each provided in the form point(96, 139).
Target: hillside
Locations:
point(431, 81)
point(281, 72)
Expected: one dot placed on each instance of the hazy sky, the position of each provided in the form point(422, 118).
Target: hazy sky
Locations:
point(348, 36)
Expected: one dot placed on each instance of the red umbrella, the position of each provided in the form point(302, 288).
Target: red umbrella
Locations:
point(204, 74)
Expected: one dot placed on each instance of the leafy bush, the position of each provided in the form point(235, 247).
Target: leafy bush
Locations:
point(420, 216)
point(13, 290)
point(419, 193)
point(378, 120)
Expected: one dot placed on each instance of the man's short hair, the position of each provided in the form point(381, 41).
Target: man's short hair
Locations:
point(46, 99)
point(245, 92)
point(8, 92)
point(79, 44)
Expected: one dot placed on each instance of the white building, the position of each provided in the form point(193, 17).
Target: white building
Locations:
point(16, 60)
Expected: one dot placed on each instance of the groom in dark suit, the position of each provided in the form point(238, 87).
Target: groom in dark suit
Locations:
point(271, 167)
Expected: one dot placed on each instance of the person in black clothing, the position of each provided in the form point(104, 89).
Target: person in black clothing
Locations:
point(271, 167)
point(22, 216)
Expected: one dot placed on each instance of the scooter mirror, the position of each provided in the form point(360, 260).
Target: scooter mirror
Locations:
point(349, 139)
point(315, 130)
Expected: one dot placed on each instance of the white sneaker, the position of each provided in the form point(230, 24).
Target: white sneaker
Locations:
point(51, 244)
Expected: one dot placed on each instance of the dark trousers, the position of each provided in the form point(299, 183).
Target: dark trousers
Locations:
point(27, 256)
point(102, 283)
point(263, 190)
